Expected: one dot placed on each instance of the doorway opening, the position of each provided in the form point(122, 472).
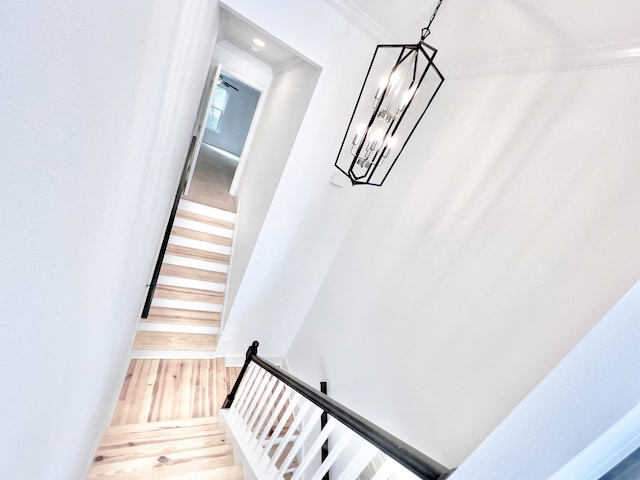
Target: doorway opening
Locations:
point(231, 112)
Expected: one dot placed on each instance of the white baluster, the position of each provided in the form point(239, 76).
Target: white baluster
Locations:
point(248, 374)
point(299, 417)
point(266, 393)
point(308, 428)
point(314, 450)
point(400, 472)
point(260, 426)
point(244, 389)
point(251, 406)
point(385, 470)
point(282, 403)
point(293, 403)
point(358, 462)
point(244, 408)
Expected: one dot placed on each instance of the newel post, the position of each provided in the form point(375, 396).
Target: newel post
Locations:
point(251, 352)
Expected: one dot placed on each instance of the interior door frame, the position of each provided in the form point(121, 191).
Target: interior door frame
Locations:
point(203, 115)
point(246, 148)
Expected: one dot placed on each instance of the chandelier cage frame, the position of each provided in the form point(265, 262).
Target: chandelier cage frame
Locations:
point(365, 158)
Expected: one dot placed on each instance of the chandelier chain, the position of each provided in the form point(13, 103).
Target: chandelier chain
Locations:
point(425, 30)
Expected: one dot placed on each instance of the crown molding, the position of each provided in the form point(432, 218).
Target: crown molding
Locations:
point(610, 55)
point(290, 64)
point(363, 22)
point(244, 55)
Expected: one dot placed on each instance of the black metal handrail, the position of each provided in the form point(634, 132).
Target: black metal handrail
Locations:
point(414, 460)
point(167, 233)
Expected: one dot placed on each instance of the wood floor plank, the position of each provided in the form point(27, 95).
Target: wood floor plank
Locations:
point(127, 403)
point(186, 401)
point(123, 404)
point(132, 447)
point(116, 440)
point(193, 273)
point(232, 374)
point(170, 399)
point(162, 386)
point(190, 447)
point(150, 340)
point(211, 390)
point(197, 254)
point(202, 236)
point(163, 425)
point(133, 394)
point(164, 466)
point(201, 403)
point(160, 402)
point(177, 316)
point(188, 294)
point(205, 219)
point(211, 405)
point(221, 382)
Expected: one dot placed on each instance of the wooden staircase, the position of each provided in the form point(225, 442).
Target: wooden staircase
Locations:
point(190, 449)
point(165, 424)
point(185, 312)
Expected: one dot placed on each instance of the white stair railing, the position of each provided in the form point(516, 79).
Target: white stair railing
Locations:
point(274, 419)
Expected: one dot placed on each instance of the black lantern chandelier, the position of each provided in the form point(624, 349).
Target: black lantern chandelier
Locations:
point(400, 85)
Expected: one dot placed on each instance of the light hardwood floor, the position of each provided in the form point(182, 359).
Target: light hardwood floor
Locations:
point(177, 341)
point(177, 450)
point(161, 389)
point(165, 424)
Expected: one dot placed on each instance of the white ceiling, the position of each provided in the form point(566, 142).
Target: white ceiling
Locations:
point(240, 34)
point(470, 31)
point(467, 32)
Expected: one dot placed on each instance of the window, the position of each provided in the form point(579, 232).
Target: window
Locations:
point(216, 109)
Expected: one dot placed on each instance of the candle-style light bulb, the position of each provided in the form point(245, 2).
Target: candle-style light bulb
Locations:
point(406, 98)
point(383, 84)
point(374, 145)
point(395, 76)
point(388, 147)
point(359, 133)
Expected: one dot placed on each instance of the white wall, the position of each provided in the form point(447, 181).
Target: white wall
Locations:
point(435, 304)
point(240, 65)
point(284, 109)
point(98, 102)
point(307, 216)
point(582, 418)
point(506, 231)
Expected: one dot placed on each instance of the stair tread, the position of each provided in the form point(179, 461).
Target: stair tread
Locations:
point(163, 466)
point(162, 425)
point(205, 219)
point(133, 448)
point(115, 439)
point(193, 273)
point(190, 205)
point(190, 294)
point(203, 236)
point(150, 340)
point(176, 316)
point(197, 254)
point(231, 472)
point(190, 448)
